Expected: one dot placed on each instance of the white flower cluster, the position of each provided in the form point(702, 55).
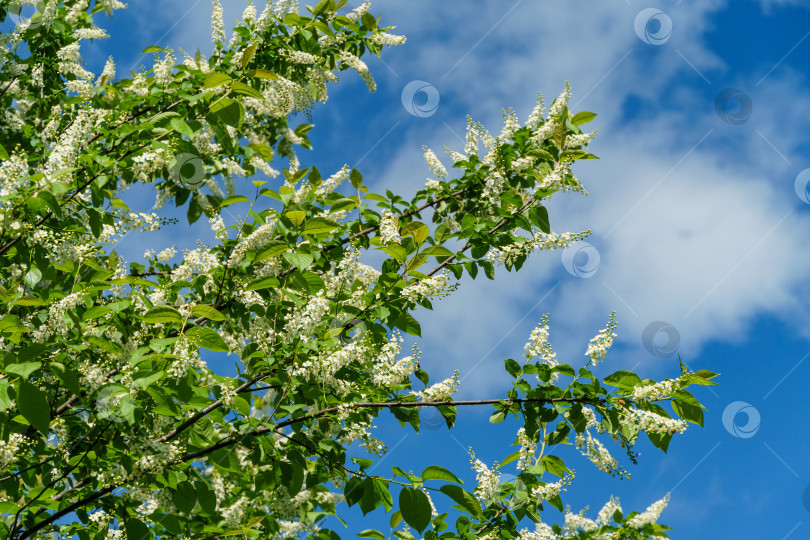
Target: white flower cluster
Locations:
point(442, 391)
point(164, 69)
point(493, 186)
point(488, 479)
point(302, 321)
point(542, 531)
point(650, 515)
point(299, 57)
point(583, 139)
point(360, 67)
point(539, 346)
point(70, 143)
point(201, 261)
point(330, 184)
point(321, 370)
point(540, 241)
point(545, 131)
point(430, 287)
point(527, 450)
point(384, 38)
point(510, 124)
point(651, 422)
point(187, 356)
point(552, 489)
point(605, 515)
point(107, 74)
point(217, 24)
point(358, 12)
point(601, 342)
point(254, 240)
point(386, 370)
point(389, 229)
point(575, 522)
point(595, 451)
point(56, 317)
point(433, 162)
point(659, 390)
point(10, 448)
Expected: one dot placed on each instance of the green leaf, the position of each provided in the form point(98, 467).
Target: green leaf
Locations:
point(465, 499)
point(247, 54)
point(146, 378)
point(24, 369)
point(213, 79)
point(434, 472)
point(3, 153)
point(513, 368)
point(103, 344)
point(418, 230)
point(497, 417)
point(356, 179)
point(229, 111)
point(270, 249)
point(210, 313)
point(299, 260)
point(539, 216)
point(371, 533)
point(623, 379)
point(319, 225)
point(33, 277)
point(5, 400)
point(437, 251)
point(136, 528)
point(263, 74)
point(415, 508)
point(180, 126)
point(33, 405)
point(372, 498)
point(184, 497)
point(207, 339)
point(162, 314)
point(265, 282)
point(408, 324)
point(583, 117)
point(369, 22)
point(554, 465)
point(152, 49)
point(296, 216)
point(95, 312)
point(396, 251)
point(233, 200)
point(242, 88)
point(51, 202)
point(206, 497)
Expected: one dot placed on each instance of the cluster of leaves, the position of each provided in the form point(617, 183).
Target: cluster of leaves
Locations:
point(93, 417)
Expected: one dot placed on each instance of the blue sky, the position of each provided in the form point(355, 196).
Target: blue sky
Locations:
point(693, 206)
